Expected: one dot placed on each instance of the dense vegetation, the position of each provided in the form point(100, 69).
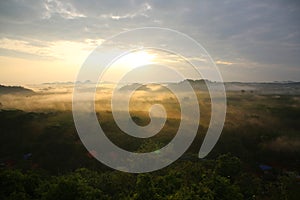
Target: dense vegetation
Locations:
point(257, 157)
point(222, 178)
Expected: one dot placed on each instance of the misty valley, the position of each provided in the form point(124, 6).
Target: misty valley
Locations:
point(256, 157)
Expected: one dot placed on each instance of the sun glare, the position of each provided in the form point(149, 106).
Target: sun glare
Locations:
point(127, 63)
point(136, 59)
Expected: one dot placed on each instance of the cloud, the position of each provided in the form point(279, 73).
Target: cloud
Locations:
point(66, 10)
point(141, 12)
point(221, 62)
point(260, 33)
point(60, 50)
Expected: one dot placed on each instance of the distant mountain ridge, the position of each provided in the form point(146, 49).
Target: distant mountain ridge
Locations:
point(284, 87)
point(15, 90)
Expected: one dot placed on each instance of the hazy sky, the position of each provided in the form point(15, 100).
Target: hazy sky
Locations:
point(48, 40)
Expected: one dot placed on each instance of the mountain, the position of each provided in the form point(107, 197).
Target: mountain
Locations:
point(287, 87)
point(15, 90)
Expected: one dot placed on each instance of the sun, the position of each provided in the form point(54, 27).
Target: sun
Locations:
point(127, 63)
point(136, 59)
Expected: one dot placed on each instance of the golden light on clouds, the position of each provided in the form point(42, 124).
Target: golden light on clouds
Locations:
point(69, 51)
point(59, 59)
point(220, 62)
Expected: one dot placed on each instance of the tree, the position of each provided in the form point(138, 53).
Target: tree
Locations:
point(145, 189)
point(195, 191)
point(73, 187)
point(223, 189)
point(12, 185)
point(228, 166)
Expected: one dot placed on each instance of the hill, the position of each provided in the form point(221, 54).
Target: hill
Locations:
point(15, 90)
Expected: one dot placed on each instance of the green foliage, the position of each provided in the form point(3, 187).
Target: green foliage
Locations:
point(195, 191)
point(145, 189)
point(12, 185)
point(228, 166)
point(250, 185)
point(200, 180)
point(72, 187)
point(223, 189)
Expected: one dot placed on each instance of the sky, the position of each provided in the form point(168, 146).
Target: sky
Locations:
point(49, 40)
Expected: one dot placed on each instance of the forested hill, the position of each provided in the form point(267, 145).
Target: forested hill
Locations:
point(14, 90)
